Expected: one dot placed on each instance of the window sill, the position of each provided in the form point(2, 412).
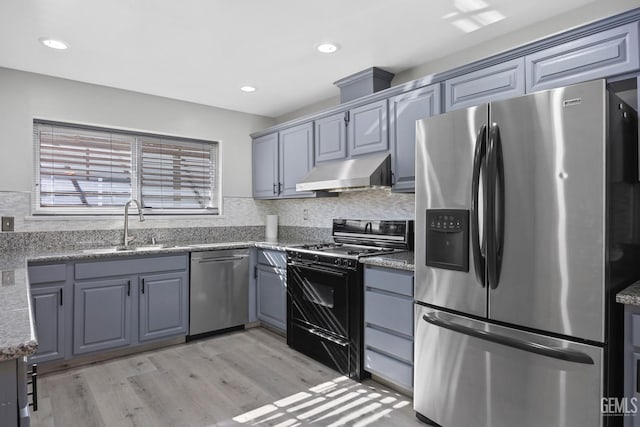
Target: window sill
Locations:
point(110, 217)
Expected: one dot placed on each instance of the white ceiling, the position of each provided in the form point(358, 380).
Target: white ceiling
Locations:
point(203, 50)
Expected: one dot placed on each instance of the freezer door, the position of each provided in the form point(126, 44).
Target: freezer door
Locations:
point(551, 276)
point(445, 147)
point(471, 373)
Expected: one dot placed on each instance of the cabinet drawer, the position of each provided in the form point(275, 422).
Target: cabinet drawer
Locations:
point(128, 266)
point(272, 258)
point(396, 281)
point(388, 368)
point(394, 345)
point(47, 273)
point(599, 55)
point(390, 312)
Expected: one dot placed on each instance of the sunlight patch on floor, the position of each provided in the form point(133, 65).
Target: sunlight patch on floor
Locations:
point(335, 403)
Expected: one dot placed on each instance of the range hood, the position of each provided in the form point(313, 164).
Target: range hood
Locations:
point(362, 173)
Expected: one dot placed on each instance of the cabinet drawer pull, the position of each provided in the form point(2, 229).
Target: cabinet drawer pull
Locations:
point(33, 381)
point(143, 286)
point(638, 376)
point(128, 288)
point(61, 294)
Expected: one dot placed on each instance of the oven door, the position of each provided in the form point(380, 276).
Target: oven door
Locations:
point(318, 297)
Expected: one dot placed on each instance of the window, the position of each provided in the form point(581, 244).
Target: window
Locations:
point(82, 170)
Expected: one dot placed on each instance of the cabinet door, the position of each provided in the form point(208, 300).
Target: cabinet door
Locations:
point(404, 110)
point(331, 138)
point(604, 54)
point(48, 312)
point(368, 130)
point(296, 158)
point(500, 81)
point(101, 315)
point(272, 296)
point(163, 310)
point(265, 167)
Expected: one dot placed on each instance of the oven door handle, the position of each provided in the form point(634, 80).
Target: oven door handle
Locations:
point(317, 268)
point(318, 333)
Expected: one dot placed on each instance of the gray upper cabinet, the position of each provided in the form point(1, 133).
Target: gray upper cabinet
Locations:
point(331, 137)
point(102, 315)
point(603, 54)
point(163, 305)
point(404, 110)
point(367, 129)
point(296, 158)
point(265, 166)
point(494, 83)
point(281, 160)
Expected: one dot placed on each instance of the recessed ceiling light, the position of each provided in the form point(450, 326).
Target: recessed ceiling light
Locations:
point(53, 44)
point(248, 89)
point(327, 47)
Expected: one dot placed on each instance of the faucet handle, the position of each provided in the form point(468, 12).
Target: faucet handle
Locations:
point(153, 240)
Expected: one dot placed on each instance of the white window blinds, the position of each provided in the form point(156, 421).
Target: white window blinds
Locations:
point(177, 175)
point(82, 170)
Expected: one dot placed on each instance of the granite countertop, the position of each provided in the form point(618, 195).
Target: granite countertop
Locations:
point(17, 332)
point(630, 295)
point(399, 261)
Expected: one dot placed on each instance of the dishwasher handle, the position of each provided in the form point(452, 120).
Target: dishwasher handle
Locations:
point(222, 259)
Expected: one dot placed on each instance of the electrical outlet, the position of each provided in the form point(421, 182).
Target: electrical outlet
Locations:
point(8, 278)
point(7, 223)
point(305, 214)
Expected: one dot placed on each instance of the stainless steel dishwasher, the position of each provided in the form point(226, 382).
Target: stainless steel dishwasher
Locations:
point(219, 296)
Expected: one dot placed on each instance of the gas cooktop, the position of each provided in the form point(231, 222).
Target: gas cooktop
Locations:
point(344, 250)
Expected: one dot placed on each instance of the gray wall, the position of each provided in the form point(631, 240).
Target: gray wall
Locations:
point(25, 96)
point(590, 13)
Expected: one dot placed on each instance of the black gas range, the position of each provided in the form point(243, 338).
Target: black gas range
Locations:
point(325, 291)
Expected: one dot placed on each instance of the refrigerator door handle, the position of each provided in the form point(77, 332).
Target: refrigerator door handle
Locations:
point(476, 245)
point(528, 346)
point(495, 209)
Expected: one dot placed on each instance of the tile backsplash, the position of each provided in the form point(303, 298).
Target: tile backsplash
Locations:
point(243, 218)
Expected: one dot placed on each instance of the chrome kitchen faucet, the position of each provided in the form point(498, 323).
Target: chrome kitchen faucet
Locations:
point(125, 240)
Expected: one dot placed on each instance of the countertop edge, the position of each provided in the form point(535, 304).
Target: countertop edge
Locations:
point(630, 295)
point(401, 261)
point(26, 347)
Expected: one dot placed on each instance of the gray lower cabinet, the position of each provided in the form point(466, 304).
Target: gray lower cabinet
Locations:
point(501, 81)
point(271, 288)
point(14, 401)
point(632, 363)
point(127, 301)
point(102, 315)
point(605, 54)
point(48, 311)
point(388, 325)
point(404, 110)
point(281, 160)
point(48, 285)
point(163, 305)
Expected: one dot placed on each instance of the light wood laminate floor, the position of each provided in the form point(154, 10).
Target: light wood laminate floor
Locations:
point(244, 378)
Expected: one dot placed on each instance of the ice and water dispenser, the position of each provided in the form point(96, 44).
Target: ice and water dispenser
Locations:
point(448, 239)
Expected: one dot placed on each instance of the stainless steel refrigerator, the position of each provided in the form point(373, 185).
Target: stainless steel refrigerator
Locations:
point(525, 229)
